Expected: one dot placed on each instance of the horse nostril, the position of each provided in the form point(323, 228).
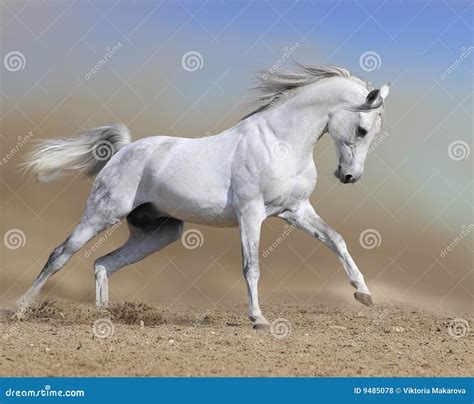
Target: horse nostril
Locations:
point(347, 178)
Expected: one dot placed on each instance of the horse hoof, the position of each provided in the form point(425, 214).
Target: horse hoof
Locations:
point(262, 326)
point(364, 298)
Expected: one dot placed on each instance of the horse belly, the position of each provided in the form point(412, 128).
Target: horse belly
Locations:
point(194, 193)
point(206, 209)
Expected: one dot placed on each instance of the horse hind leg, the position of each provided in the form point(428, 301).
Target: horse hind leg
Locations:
point(94, 220)
point(57, 259)
point(148, 234)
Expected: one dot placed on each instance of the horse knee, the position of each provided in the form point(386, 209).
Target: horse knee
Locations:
point(337, 241)
point(55, 254)
point(56, 258)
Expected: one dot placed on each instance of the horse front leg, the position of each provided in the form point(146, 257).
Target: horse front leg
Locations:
point(250, 222)
point(304, 217)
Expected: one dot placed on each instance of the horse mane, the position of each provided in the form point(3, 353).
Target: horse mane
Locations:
point(273, 86)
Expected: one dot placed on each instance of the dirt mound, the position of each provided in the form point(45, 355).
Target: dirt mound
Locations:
point(61, 311)
point(134, 313)
point(53, 310)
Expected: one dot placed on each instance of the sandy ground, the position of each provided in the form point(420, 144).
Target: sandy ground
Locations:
point(58, 339)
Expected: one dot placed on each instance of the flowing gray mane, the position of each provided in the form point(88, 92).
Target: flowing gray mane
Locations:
point(273, 86)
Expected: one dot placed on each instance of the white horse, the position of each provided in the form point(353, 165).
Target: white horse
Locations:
point(263, 166)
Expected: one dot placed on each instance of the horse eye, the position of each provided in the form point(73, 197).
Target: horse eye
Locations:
point(361, 131)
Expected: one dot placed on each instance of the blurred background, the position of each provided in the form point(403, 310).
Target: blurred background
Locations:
point(183, 68)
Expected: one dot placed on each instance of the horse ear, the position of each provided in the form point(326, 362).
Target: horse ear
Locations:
point(384, 90)
point(372, 97)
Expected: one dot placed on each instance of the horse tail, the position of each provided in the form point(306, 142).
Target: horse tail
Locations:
point(89, 152)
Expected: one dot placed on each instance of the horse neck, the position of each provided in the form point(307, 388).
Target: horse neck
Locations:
point(302, 119)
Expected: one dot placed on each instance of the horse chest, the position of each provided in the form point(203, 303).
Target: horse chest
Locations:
point(284, 192)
